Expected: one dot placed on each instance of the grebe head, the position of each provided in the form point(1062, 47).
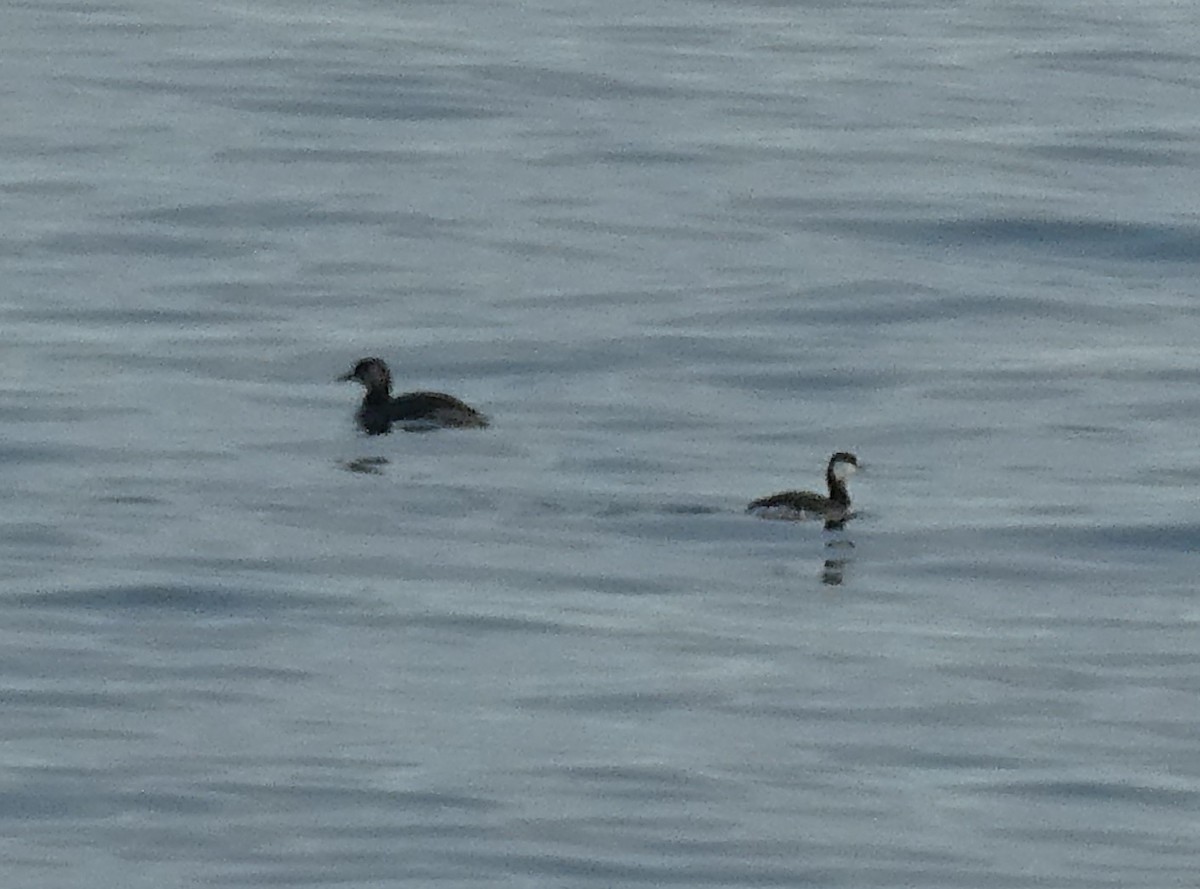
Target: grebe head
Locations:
point(372, 373)
point(842, 465)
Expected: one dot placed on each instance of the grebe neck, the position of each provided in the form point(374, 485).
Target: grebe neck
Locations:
point(837, 488)
point(378, 394)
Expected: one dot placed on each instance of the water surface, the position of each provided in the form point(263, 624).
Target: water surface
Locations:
point(679, 255)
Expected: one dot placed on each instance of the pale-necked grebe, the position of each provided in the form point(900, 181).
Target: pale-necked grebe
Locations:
point(794, 505)
point(379, 410)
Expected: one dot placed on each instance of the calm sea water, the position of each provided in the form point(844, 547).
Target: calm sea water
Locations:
point(680, 253)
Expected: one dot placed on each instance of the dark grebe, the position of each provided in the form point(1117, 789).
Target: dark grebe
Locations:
point(794, 505)
point(421, 410)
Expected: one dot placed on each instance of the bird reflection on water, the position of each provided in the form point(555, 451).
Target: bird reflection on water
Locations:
point(365, 465)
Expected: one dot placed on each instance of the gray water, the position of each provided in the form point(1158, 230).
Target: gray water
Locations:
point(680, 252)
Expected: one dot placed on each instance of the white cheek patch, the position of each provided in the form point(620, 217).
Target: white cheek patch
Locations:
point(843, 471)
